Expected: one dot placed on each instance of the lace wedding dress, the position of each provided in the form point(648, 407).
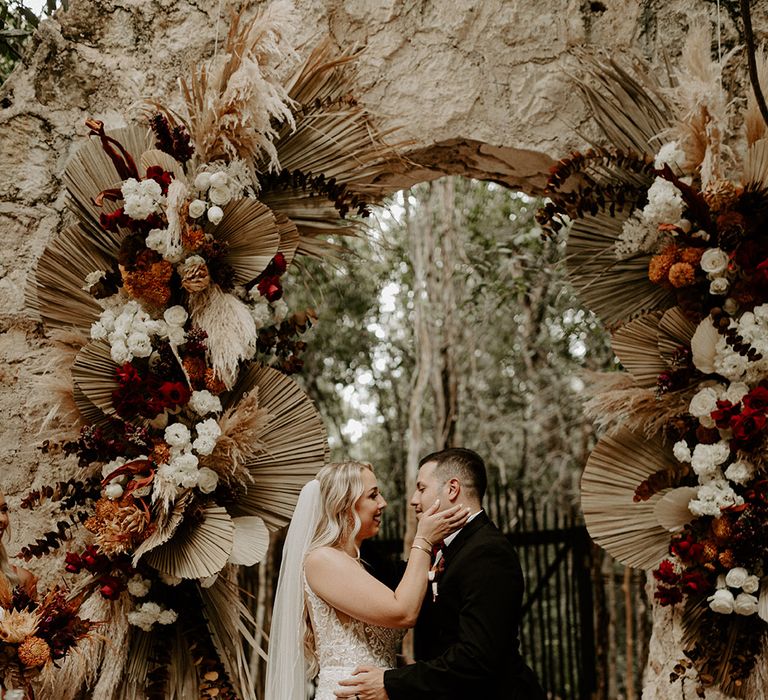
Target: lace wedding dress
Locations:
point(344, 643)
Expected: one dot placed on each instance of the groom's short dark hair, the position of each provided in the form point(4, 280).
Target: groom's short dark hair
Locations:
point(465, 465)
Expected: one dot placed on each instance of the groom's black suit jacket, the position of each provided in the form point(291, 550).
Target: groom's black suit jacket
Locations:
point(467, 639)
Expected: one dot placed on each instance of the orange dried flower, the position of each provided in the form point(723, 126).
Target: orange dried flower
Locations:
point(34, 652)
point(727, 559)
point(659, 266)
point(151, 285)
point(692, 256)
point(682, 275)
point(709, 551)
point(192, 237)
point(722, 529)
point(721, 194)
point(161, 453)
point(213, 383)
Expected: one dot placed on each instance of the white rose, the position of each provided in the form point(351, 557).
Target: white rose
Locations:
point(219, 179)
point(175, 316)
point(207, 480)
point(745, 604)
point(203, 181)
point(681, 451)
point(138, 586)
point(113, 491)
point(177, 435)
point(751, 584)
point(215, 215)
point(721, 602)
point(204, 402)
point(197, 208)
point(735, 577)
point(703, 403)
point(151, 188)
point(714, 261)
point(203, 445)
point(219, 195)
point(719, 286)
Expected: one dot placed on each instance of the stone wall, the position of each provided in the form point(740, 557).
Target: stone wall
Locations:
point(480, 88)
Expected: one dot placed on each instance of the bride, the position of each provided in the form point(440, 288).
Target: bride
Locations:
point(326, 603)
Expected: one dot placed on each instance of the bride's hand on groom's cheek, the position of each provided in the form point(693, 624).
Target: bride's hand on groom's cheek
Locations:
point(366, 683)
point(436, 524)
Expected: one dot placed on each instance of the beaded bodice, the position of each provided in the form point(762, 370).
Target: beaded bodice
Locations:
point(343, 643)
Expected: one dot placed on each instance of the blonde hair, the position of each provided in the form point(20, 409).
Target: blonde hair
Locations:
point(341, 485)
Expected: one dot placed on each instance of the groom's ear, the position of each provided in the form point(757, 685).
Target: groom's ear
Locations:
point(454, 489)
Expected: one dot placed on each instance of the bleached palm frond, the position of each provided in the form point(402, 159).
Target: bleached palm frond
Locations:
point(616, 290)
point(295, 446)
point(630, 108)
point(230, 623)
point(55, 291)
point(626, 529)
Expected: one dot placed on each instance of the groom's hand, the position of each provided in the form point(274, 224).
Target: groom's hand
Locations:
point(367, 683)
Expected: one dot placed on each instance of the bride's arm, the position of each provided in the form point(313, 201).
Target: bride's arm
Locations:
point(346, 586)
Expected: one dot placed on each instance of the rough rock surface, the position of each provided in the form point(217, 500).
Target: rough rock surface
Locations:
point(480, 87)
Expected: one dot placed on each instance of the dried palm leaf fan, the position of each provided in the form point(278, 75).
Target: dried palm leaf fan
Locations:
point(252, 235)
point(675, 332)
point(616, 290)
point(719, 668)
point(91, 171)
point(56, 290)
point(294, 446)
point(331, 161)
point(229, 623)
point(631, 110)
point(94, 375)
point(289, 238)
point(636, 346)
point(628, 530)
point(197, 549)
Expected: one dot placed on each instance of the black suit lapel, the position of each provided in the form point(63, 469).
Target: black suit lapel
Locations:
point(477, 523)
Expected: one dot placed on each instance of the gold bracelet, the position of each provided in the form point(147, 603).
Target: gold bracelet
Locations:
point(423, 549)
point(419, 537)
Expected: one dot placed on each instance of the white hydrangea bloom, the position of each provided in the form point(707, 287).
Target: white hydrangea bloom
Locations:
point(681, 451)
point(671, 154)
point(712, 497)
point(665, 203)
point(740, 472)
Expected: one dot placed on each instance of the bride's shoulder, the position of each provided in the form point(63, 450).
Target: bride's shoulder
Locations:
point(324, 558)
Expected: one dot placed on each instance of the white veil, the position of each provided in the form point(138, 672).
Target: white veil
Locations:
point(286, 670)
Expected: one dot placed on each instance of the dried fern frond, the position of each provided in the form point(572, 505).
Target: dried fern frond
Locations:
point(234, 101)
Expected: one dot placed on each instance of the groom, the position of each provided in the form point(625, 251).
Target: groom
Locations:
point(467, 633)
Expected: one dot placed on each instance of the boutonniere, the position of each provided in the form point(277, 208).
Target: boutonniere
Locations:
point(435, 573)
